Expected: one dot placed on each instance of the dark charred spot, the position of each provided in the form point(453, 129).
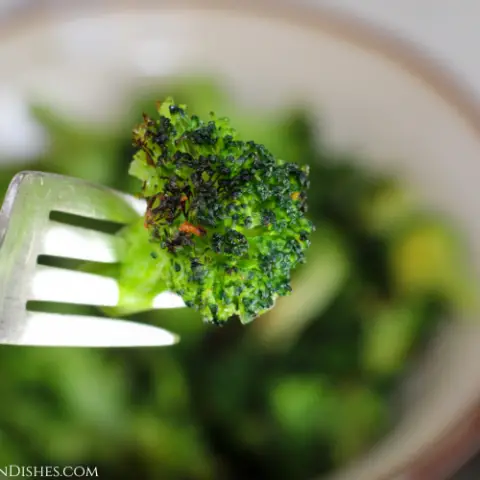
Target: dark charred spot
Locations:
point(248, 222)
point(230, 269)
point(204, 135)
point(175, 109)
point(268, 218)
point(303, 235)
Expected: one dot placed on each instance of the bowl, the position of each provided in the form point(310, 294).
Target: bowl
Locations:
point(373, 93)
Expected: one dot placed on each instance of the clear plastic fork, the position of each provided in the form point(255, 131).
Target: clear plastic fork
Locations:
point(26, 231)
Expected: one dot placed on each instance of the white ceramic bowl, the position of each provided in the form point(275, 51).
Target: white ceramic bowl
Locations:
point(374, 95)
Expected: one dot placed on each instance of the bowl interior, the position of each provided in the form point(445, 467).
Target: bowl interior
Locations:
point(87, 63)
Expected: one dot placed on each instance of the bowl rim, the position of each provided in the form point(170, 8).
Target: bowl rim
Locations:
point(443, 456)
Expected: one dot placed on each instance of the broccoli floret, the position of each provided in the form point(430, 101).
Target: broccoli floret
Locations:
point(227, 213)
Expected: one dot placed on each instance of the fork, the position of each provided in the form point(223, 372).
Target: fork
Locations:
point(26, 231)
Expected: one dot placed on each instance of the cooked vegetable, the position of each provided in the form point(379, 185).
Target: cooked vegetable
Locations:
point(226, 218)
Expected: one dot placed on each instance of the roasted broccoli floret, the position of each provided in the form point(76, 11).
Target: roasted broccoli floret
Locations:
point(228, 215)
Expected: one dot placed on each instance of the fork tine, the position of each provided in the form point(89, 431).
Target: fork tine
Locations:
point(68, 286)
point(72, 195)
point(51, 284)
point(81, 243)
point(51, 329)
point(97, 201)
point(168, 300)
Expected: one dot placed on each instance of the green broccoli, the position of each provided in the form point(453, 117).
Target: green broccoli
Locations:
point(225, 218)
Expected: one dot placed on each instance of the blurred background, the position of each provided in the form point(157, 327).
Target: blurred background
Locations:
point(369, 370)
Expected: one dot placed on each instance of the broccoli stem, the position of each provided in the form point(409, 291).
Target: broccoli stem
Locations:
point(142, 271)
